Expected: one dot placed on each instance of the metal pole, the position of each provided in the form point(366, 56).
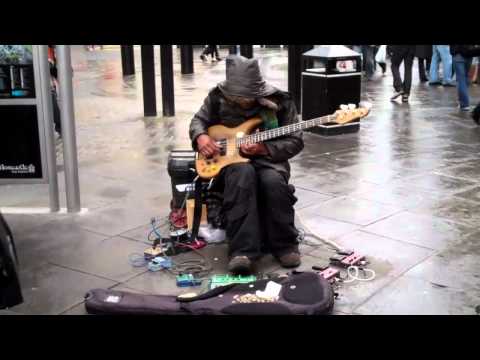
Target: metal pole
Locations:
point(232, 49)
point(166, 67)
point(128, 60)
point(49, 132)
point(247, 51)
point(186, 59)
point(65, 75)
point(148, 80)
point(295, 69)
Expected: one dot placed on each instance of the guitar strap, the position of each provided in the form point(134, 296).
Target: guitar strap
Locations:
point(197, 210)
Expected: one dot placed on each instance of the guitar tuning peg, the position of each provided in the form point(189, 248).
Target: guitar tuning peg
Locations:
point(343, 107)
point(352, 106)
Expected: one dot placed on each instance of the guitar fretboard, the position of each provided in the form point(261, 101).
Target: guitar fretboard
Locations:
point(284, 130)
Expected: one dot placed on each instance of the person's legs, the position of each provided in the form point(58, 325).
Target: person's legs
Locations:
point(56, 114)
point(204, 53)
point(215, 51)
point(384, 68)
point(444, 51)
point(369, 59)
point(277, 214)
point(462, 80)
point(397, 80)
point(407, 68)
point(434, 66)
point(422, 74)
point(476, 114)
point(240, 209)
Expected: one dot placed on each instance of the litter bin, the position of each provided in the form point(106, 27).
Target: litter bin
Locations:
point(331, 77)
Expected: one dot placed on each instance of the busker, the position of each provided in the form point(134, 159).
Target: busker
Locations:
point(258, 201)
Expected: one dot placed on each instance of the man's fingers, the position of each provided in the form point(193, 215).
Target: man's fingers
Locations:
point(212, 148)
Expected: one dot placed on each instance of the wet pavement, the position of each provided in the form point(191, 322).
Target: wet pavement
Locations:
point(404, 190)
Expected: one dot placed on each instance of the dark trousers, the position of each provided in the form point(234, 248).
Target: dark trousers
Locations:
point(56, 113)
point(211, 50)
point(368, 53)
point(407, 58)
point(423, 70)
point(258, 206)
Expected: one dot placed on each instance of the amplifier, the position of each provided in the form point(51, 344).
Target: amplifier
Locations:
point(181, 168)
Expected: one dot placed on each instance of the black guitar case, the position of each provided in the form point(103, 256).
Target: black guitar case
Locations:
point(305, 293)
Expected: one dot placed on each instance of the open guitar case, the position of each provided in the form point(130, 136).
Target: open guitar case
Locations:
point(305, 293)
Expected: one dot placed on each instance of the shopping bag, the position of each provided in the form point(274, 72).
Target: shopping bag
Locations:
point(381, 56)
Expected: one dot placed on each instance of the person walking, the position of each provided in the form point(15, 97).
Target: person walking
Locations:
point(368, 54)
point(405, 54)
point(441, 53)
point(474, 78)
point(462, 59)
point(211, 50)
point(424, 56)
point(381, 58)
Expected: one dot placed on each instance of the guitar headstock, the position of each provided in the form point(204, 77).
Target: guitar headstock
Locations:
point(351, 112)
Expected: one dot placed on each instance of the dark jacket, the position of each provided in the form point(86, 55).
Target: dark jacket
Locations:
point(465, 50)
point(423, 51)
point(217, 110)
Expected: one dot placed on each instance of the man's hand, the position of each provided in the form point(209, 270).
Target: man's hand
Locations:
point(207, 146)
point(254, 149)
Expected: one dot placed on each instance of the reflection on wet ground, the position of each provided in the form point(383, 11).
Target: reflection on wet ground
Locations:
point(404, 190)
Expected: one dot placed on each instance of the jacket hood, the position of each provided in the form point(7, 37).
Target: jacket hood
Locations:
point(244, 79)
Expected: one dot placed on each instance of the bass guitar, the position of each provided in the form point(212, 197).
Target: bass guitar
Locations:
point(230, 139)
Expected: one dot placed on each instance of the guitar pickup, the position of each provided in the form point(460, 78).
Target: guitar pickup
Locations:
point(223, 147)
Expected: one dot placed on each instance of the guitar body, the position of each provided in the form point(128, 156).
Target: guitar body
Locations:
point(209, 168)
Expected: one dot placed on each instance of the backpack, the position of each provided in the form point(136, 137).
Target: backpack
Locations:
point(305, 293)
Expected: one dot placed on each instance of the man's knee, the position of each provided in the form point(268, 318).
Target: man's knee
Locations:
point(274, 186)
point(242, 174)
point(240, 186)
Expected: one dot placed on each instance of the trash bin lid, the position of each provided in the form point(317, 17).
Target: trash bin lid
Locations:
point(330, 52)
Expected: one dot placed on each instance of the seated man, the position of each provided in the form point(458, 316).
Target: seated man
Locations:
point(258, 202)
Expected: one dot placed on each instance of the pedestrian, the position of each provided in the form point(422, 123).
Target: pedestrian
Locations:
point(52, 60)
point(381, 58)
point(474, 78)
point(462, 59)
point(211, 50)
point(424, 56)
point(441, 53)
point(405, 54)
point(368, 54)
point(476, 114)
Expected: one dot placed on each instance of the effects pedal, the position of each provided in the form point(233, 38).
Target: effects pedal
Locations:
point(347, 260)
point(187, 280)
point(327, 272)
point(152, 252)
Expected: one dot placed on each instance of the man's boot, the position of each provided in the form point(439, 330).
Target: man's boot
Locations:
point(240, 265)
point(290, 260)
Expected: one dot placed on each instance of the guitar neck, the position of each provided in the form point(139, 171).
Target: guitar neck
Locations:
point(284, 130)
